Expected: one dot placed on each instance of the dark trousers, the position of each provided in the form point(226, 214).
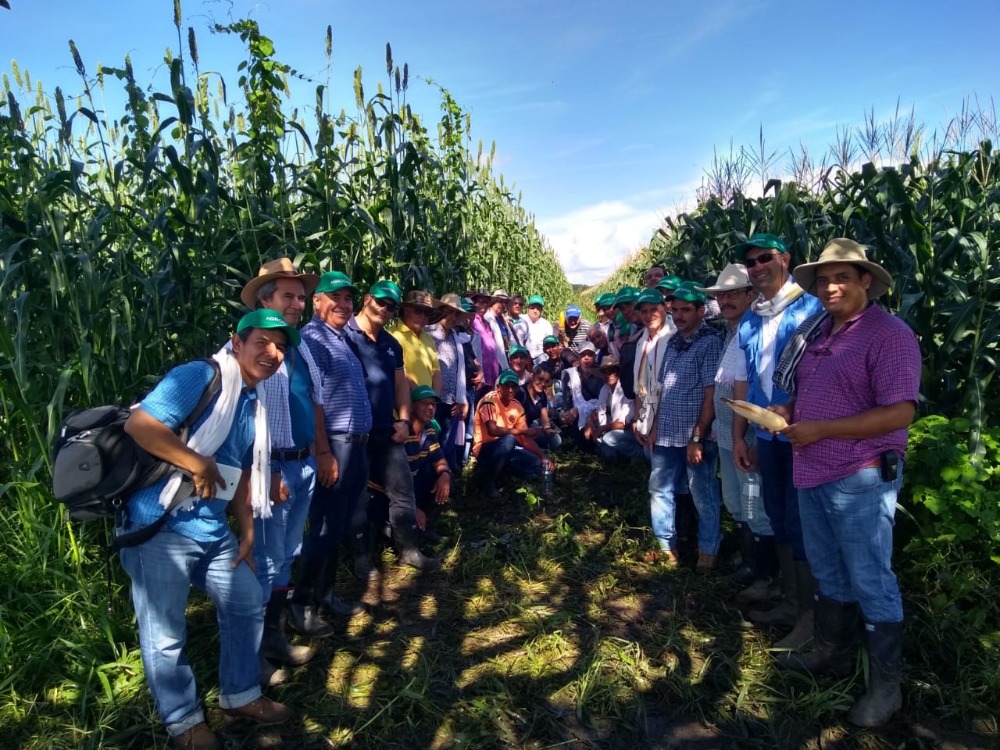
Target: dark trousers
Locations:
point(781, 500)
point(332, 508)
point(502, 453)
point(389, 469)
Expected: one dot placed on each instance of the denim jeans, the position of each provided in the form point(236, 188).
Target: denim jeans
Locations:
point(332, 508)
point(669, 467)
point(278, 539)
point(162, 572)
point(847, 526)
point(618, 444)
point(389, 468)
point(499, 454)
point(781, 500)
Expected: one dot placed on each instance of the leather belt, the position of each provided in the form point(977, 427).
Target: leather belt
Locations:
point(292, 455)
point(346, 437)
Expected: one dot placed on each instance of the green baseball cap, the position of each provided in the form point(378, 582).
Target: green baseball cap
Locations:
point(649, 297)
point(386, 289)
point(518, 349)
point(687, 292)
point(762, 239)
point(334, 281)
point(467, 305)
point(508, 377)
point(262, 318)
point(423, 391)
point(626, 295)
point(669, 283)
point(550, 341)
point(536, 299)
point(605, 300)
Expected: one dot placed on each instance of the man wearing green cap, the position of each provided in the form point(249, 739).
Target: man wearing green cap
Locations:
point(680, 440)
point(520, 362)
point(538, 328)
point(503, 438)
point(389, 393)
point(628, 329)
point(764, 332)
point(226, 458)
point(347, 423)
point(604, 307)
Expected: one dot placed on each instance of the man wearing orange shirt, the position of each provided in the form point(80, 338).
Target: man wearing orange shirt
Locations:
point(503, 437)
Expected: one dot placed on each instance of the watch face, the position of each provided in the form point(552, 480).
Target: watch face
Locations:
point(696, 438)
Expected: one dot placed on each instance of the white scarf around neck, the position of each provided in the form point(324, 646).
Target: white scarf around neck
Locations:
point(214, 430)
point(768, 308)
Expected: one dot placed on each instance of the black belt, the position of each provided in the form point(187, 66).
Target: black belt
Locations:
point(346, 437)
point(292, 455)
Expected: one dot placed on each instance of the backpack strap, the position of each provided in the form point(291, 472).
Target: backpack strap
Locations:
point(143, 535)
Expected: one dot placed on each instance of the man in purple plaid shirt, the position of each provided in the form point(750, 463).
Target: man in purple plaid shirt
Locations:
point(856, 382)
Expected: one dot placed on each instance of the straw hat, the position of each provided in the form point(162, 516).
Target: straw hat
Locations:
point(451, 302)
point(842, 250)
point(733, 277)
point(282, 268)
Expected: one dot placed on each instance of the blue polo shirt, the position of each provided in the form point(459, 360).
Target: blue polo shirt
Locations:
point(170, 402)
point(346, 407)
point(380, 359)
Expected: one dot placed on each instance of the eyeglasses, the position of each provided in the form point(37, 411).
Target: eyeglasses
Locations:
point(765, 258)
point(387, 304)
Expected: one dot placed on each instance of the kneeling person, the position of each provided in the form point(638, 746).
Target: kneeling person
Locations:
point(194, 545)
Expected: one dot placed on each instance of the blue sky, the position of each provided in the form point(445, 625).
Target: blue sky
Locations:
point(605, 115)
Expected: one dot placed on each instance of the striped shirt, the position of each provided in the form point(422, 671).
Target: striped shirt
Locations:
point(346, 407)
point(685, 373)
point(873, 360)
point(277, 394)
point(450, 358)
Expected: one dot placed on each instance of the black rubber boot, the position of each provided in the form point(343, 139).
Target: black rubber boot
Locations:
point(274, 645)
point(410, 554)
point(364, 560)
point(329, 602)
point(830, 651)
point(303, 612)
point(747, 571)
point(805, 585)
point(786, 612)
point(885, 663)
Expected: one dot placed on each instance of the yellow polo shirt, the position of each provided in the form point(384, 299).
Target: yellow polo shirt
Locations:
point(419, 354)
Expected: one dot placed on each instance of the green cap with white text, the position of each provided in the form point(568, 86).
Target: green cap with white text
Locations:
point(263, 318)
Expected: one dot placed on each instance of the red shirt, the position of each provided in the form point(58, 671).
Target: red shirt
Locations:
point(873, 360)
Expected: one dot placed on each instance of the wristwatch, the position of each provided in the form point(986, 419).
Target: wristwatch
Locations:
point(696, 438)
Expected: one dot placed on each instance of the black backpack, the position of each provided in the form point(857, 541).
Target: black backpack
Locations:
point(96, 465)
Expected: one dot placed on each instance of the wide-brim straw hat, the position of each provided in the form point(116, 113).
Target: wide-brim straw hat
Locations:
point(424, 301)
point(451, 302)
point(281, 268)
point(733, 277)
point(843, 250)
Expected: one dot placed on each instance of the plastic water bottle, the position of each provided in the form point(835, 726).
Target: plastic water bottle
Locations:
point(546, 480)
point(751, 493)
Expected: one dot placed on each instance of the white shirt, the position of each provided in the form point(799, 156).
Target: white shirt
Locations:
point(537, 332)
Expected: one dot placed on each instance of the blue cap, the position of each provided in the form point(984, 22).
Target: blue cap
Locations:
point(573, 311)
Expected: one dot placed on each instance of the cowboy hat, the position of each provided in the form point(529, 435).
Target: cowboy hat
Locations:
point(281, 268)
point(842, 250)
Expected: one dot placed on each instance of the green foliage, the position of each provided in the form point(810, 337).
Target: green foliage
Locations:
point(954, 501)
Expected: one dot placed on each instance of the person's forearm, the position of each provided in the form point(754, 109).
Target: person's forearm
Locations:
point(869, 423)
point(322, 444)
point(707, 412)
point(156, 438)
point(242, 508)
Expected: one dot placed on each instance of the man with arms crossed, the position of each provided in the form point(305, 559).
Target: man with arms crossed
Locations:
point(856, 389)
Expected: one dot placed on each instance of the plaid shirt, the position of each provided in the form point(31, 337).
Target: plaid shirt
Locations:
point(276, 392)
point(873, 360)
point(684, 375)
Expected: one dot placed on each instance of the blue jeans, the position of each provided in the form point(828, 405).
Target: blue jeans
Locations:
point(499, 454)
point(278, 539)
point(332, 507)
point(618, 444)
point(781, 499)
point(669, 467)
point(162, 572)
point(847, 526)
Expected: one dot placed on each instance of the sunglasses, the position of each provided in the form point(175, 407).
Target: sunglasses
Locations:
point(765, 258)
point(386, 304)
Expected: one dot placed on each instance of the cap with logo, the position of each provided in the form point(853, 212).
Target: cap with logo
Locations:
point(262, 318)
point(334, 281)
point(386, 289)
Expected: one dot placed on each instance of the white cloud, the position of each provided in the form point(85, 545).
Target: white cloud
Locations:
point(591, 242)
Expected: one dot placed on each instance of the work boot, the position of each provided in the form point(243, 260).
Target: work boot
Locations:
point(885, 662)
point(303, 612)
point(806, 593)
point(269, 675)
point(263, 711)
point(747, 570)
point(198, 737)
point(785, 612)
point(274, 645)
point(831, 647)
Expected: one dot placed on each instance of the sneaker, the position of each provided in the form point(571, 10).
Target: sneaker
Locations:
point(263, 711)
point(198, 737)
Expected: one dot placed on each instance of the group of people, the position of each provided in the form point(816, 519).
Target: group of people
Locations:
point(351, 430)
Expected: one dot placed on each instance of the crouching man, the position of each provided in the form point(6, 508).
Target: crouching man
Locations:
point(855, 375)
point(195, 545)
